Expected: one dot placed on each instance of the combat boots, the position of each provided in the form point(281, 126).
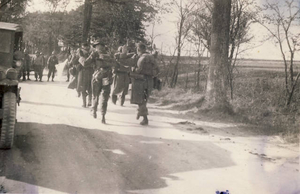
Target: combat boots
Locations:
point(94, 113)
point(144, 121)
point(90, 100)
point(103, 119)
point(122, 100)
point(114, 99)
point(84, 101)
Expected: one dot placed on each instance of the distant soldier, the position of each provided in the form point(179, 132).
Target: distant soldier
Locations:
point(39, 64)
point(142, 83)
point(121, 79)
point(26, 65)
point(51, 63)
point(85, 73)
point(69, 65)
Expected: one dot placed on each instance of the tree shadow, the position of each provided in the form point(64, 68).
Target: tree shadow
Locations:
point(72, 159)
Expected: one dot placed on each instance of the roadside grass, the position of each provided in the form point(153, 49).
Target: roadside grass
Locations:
point(258, 100)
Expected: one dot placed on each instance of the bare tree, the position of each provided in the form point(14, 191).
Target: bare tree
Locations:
point(184, 12)
point(240, 21)
point(55, 24)
point(216, 92)
point(279, 19)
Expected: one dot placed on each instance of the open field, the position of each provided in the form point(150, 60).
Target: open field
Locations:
point(258, 95)
point(191, 63)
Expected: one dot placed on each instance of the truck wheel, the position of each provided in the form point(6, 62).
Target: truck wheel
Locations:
point(9, 120)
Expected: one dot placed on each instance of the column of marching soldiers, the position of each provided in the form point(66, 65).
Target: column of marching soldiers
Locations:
point(94, 71)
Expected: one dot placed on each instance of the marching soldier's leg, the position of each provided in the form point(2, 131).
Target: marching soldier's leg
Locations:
point(36, 74)
point(28, 72)
point(49, 73)
point(53, 73)
point(125, 91)
point(96, 89)
point(83, 94)
point(104, 100)
point(24, 73)
point(68, 75)
point(114, 98)
point(41, 74)
point(143, 110)
point(90, 96)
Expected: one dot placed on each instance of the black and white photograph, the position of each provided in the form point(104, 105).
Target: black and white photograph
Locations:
point(149, 96)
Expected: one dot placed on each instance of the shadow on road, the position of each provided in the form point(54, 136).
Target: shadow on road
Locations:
point(72, 159)
point(54, 105)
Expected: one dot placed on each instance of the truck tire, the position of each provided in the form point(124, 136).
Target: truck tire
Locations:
point(7, 131)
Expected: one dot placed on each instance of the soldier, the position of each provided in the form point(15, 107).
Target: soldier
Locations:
point(121, 79)
point(26, 65)
point(38, 62)
point(69, 65)
point(142, 83)
point(52, 61)
point(102, 78)
point(18, 64)
point(71, 69)
point(85, 73)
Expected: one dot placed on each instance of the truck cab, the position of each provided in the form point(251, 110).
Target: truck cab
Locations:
point(11, 59)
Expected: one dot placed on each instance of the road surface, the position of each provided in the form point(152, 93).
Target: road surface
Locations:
point(60, 148)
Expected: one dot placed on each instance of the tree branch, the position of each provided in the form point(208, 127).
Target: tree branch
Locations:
point(4, 4)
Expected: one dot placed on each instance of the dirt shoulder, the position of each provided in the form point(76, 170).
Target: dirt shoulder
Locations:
point(202, 122)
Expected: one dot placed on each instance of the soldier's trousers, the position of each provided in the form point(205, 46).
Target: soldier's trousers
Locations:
point(51, 72)
point(38, 72)
point(85, 94)
point(143, 110)
point(104, 91)
point(25, 72)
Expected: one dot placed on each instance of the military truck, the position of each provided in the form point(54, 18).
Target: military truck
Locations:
point(11, 59)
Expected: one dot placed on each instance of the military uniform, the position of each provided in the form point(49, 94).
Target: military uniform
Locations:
point(101, 83)
point(121, 81)
point(85, 73)
point(38, 62)
point(142, 81)
point(26, 66)
point(68, 66)
point(52, 61)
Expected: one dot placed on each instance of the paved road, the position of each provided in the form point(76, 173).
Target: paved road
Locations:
point(60, 148)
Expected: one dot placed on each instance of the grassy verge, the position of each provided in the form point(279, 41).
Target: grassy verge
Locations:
point(259, 100)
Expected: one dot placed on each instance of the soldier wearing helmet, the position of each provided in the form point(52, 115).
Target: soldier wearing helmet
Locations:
point(102, 78)
point(142, 79)
point(26, 65)
point(121, 79)
point(52, 61)
point(85, 73)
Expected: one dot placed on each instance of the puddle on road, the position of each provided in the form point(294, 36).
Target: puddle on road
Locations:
point(116, 151)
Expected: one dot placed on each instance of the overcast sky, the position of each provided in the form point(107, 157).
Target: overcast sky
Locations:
point(166, 32)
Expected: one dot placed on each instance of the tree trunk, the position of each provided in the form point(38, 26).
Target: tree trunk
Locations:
point(50, 47)
point(87, 16)
point(175, 72)
point(216, 90)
